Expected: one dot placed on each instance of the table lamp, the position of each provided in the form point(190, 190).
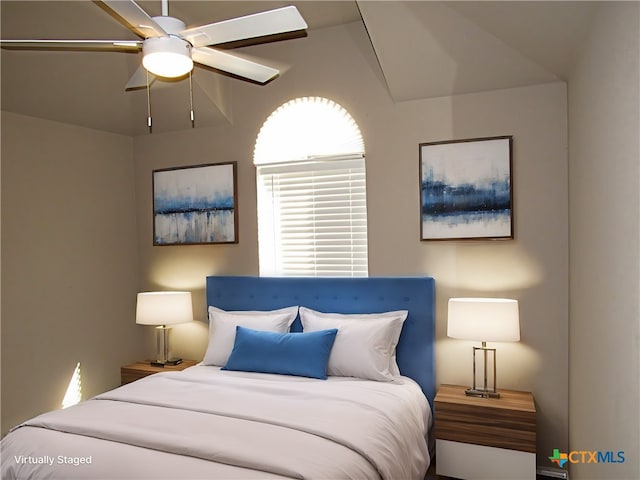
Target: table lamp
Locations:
point(162, 309)
point(485, 320)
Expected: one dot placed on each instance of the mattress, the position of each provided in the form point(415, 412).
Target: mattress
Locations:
point(205, 422)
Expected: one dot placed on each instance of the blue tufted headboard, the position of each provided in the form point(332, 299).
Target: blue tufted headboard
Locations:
point(415, 351)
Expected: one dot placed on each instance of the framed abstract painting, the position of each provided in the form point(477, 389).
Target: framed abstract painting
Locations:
point(195, 205)
point(466, 189)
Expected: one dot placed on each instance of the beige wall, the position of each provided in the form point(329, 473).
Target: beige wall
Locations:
point(604, 106)
point(532, 268)
point(69, 262)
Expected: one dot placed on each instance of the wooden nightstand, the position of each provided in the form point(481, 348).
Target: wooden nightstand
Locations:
point(488, 438)
point(136, 371)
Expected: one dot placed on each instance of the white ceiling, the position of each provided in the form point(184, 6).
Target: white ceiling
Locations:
point(425, 49)
point(431, 49)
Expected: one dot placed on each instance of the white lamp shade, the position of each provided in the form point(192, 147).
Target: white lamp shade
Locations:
point(167, 56)
point(164, 308)
point(484, 319)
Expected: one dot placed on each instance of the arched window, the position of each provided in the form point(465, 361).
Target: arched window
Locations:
point(312, 213)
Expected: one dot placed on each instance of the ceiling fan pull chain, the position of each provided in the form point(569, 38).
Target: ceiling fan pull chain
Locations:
point(148, 103)
point(193, 123)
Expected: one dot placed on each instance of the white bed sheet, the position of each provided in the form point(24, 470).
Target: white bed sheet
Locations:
point(208, 423)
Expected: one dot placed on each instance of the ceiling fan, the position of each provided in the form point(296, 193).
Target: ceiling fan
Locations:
point(170, 49)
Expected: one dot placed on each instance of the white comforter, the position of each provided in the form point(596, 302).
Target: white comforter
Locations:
point(207, 423)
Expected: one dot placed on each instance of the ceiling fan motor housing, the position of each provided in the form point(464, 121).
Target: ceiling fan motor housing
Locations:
point(170, 25)
point(168, 56)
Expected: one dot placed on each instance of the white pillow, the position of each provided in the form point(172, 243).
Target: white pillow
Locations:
point(222, 329)
point(365, 346)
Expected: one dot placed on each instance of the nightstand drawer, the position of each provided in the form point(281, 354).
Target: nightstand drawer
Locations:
point(136, 371)
point(486, 426)
point(507, 422)
point(482, 462)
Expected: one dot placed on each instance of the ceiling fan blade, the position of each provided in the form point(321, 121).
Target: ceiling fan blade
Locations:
point(136, 17)
point(233, 64)
point(139, 79)
point(109, 45)
point(271, 22)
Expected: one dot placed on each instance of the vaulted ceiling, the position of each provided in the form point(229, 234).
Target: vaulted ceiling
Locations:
point(425, 49)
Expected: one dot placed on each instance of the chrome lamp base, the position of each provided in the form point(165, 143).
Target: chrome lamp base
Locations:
point(478, 392)
point(163, 349)
point(483, 391)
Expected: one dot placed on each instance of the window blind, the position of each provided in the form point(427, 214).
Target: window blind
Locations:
point(312, 217)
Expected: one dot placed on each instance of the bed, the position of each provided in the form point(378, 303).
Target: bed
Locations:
point(257, 413)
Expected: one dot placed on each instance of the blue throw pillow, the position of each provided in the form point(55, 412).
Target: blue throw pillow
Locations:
point(302, 354)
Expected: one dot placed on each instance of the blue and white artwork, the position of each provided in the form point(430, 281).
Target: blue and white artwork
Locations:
point(195, 205)
point(466, 189)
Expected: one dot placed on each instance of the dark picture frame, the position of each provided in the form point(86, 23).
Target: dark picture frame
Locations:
point(466, 190)
point(195, 205)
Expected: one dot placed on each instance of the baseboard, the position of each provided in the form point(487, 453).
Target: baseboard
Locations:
point(549, 473)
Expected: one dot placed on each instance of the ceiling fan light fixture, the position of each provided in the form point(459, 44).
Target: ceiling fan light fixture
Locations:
point(167, 56)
